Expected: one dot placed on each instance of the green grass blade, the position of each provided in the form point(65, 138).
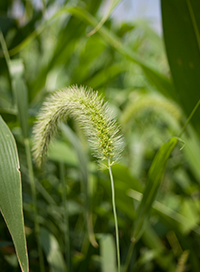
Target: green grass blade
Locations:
point(58, 150)
point(11, 193)
point(83, 164)
point(112, 5)
point(73, 139)
point(181, 29)
point(154, 179)
point(169, 215)
point(153, 241)
point(192, 151)
point(52, 250)
point(16, 70)
point(20, 93)
point(107, 251)
point(106, 74)
point(161, 82)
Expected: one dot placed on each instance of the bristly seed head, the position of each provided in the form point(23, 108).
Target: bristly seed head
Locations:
point(92, 114)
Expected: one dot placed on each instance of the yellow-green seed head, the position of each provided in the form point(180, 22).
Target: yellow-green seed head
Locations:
point(92, 114)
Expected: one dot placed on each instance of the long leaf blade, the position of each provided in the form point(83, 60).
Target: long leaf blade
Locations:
point(20, 93)
point(52, 250)
point(83, 161)
point(107, 251)
point(181, 29)
point(112, 5)
point(11, 193)
point(155, 176)
point(160, 81)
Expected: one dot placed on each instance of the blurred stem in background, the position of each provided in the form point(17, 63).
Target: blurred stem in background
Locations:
point(34, 197)
point(128, 257)
point(189, 118)
point(65, 218)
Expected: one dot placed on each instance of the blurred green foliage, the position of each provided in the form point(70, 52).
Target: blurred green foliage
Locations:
point(47, 47)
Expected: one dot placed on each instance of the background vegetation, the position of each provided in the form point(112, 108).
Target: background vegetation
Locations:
point(152, 85)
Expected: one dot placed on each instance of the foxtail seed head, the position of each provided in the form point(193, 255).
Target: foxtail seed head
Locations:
point(92, 114)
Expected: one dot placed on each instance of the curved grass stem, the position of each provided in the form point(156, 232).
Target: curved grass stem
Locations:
point(115, 215)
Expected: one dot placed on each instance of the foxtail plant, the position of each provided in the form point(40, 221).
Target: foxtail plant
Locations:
point(94, 116)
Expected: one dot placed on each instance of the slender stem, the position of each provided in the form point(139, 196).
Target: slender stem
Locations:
point(194, 23)
point(4, 48)
point(43, 7)
point(115, 215)
point(128, 258)
point(65, 218)
point(34, 197)
point(189, 118)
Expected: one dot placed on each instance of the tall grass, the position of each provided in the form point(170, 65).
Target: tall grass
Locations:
point(137, 210)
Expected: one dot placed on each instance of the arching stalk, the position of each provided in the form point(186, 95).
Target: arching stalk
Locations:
point(94, 116)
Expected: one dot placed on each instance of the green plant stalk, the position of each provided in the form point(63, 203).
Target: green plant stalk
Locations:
point(43, 7)
point(94, 116)
point(65, 218)
point(128, 258)
point(115, 215)
point(4, 48)
point(33, 191)
point(189, 118)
